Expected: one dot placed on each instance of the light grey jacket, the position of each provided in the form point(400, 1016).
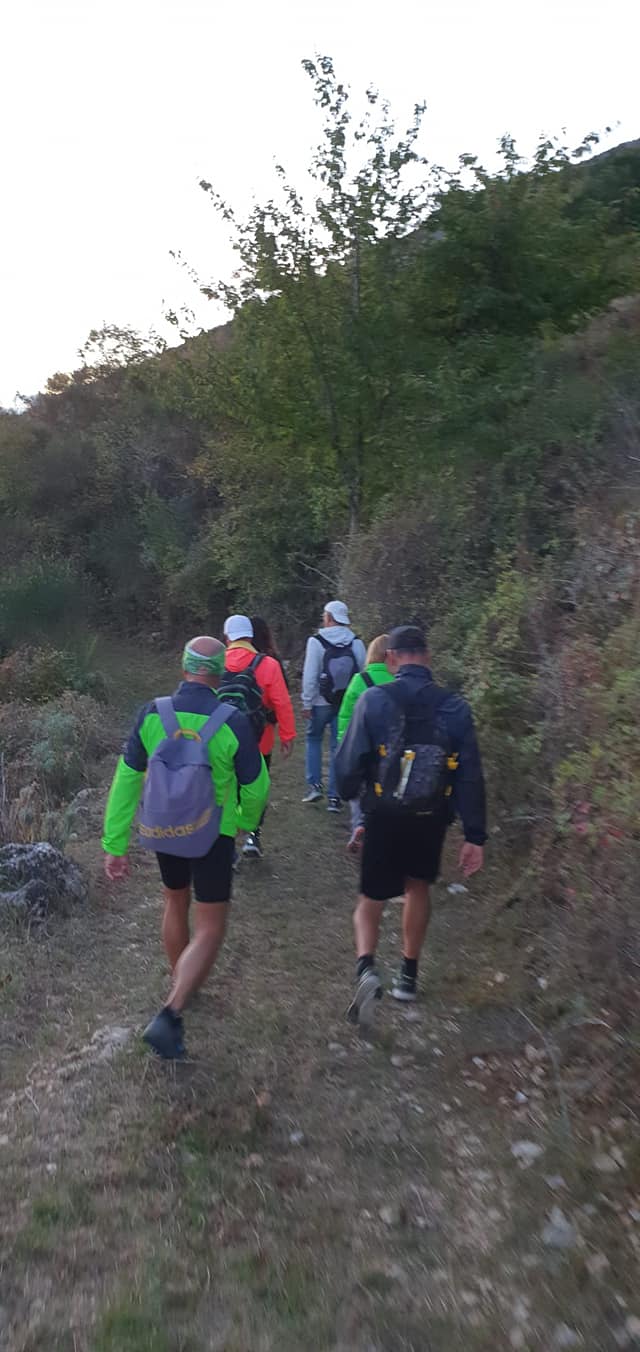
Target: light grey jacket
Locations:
point(340, 635)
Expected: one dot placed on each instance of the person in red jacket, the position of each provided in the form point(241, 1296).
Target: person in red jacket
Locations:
point(241, 650)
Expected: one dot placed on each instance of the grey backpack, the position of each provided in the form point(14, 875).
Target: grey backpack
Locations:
point(339, 664)
point(179, 813)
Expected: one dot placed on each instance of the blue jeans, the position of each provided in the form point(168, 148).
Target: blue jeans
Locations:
point(322, 716)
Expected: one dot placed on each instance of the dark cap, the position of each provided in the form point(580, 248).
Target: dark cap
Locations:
point(407, 638)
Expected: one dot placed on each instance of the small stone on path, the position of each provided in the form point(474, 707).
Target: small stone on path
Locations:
point(605, 1164)
point(526, 1152)
point(558, 1233)
point(564, 1336)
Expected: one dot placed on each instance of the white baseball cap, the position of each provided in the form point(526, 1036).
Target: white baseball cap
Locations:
point(338, 611)
point(238, 626)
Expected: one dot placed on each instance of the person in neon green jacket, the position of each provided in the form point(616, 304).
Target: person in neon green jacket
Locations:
point(375, 672)
point(241, 785)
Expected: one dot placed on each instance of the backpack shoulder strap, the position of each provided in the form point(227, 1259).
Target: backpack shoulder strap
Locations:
point(367, 679)
point(324, 642)
point(216, 720)
point(167, 715)
point(255, 662)
point(398, 692)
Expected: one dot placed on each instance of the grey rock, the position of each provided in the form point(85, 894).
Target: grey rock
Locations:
point(526, 1152)
point(558, 1233)
point(36, 880)
point(606, 1164)
point(564, 1336)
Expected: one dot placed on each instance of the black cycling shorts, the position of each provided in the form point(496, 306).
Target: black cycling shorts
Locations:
point(398, 847)
point(211, 876)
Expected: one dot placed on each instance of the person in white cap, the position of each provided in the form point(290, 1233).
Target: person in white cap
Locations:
point(251, 674)
point(333, 656)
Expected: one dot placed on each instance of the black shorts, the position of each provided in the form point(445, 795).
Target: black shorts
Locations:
point(399, 847)
point(211, 876)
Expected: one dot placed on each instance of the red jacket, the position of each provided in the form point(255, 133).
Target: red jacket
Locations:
point(275, 695)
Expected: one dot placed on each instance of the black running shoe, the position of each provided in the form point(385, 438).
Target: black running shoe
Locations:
point(252, 845)
point(404, 988)
point(165, 1036)
point(334, 805)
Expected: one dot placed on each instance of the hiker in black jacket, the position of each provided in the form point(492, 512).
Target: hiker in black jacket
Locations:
point(410, 752)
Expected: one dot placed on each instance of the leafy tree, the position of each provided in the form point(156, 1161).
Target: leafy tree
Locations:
point(320, 295)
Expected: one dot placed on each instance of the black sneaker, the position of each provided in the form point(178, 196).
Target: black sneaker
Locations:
point(334, 805)
point(252, 846)
point(404, 988)
point(165, 1036)
point(368, 990)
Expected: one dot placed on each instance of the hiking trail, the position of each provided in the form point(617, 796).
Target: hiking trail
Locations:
point(296, 1186)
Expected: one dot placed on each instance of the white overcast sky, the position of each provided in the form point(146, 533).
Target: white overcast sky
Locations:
point(110, 111)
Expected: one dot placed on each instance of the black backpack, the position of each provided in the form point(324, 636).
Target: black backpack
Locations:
point(416, 765)
point(338, 666)
point(241, 689)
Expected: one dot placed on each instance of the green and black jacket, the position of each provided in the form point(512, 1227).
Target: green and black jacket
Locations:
point(239, 773)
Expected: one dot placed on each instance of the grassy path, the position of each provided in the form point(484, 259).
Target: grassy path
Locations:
point(293, 1187)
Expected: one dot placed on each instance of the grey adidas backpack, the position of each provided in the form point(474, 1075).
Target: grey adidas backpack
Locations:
point(179, 813)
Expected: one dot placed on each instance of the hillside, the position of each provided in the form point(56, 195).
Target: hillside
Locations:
point(428, 402)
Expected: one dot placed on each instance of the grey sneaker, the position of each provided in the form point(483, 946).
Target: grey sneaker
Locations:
point(313, 794)
point(404, 988)
point(252, 846)
point(368, 991)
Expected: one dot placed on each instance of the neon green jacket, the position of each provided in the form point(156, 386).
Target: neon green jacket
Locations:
point(380, 675)
point(239, 773)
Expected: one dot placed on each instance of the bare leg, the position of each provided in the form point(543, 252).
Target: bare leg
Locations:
point(366, 925)
point(195, 963)
point(175, 922)
point(416, 916)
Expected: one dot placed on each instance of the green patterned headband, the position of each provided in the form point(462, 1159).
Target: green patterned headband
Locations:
point(194, 662)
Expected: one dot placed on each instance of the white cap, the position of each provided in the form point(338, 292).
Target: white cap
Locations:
point(238, 626)
point(338, 611)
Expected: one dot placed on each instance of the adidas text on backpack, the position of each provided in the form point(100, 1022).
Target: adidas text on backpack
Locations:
point(338, 666)
point(241, 689)
point(179, 813)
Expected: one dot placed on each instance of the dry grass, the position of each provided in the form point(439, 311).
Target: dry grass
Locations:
point(146, 1209)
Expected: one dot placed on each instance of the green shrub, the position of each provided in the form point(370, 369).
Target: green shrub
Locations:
point(69, 736)
point(37, 674)
point(37, 598)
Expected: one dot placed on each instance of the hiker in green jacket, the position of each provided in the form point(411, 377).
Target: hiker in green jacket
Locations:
point(375, 672)
point(239, 793)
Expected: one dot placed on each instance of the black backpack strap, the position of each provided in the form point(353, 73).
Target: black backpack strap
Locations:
point(255, 662)
point(402, 696)
point(325, 643)
point(367, 679)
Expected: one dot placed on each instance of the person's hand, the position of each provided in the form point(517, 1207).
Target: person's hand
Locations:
point(471, 859)
point(286, 748)
point(116, 867)
point(306, 713)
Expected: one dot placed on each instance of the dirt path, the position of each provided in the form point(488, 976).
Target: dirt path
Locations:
point(296, 1188)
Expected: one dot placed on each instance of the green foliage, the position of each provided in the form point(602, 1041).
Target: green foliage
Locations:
point(38, 674)
point(37, 597)
point(68, 736)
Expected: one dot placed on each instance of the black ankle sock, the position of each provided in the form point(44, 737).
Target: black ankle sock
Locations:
point(173, 1014)
point(363, 964)
point(410, 968)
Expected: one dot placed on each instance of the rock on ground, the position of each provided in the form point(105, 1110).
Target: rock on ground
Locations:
point(38, 879)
